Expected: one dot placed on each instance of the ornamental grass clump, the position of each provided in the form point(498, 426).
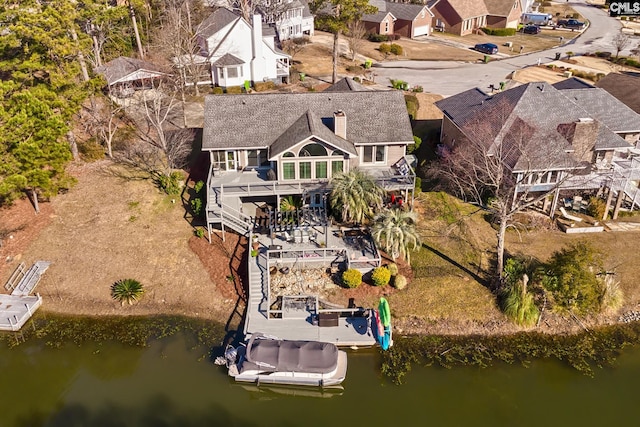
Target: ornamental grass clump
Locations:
point(393, 269)
point(352, 278)
point(127, 290)
point(399, 282)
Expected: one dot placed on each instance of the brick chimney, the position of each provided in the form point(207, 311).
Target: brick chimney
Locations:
point(340, 124)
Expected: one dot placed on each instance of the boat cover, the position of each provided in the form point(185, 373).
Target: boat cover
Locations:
point(292, 356)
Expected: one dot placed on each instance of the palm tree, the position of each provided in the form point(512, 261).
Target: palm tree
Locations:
point(394, 230)
point(127, 290)
point(356, 194)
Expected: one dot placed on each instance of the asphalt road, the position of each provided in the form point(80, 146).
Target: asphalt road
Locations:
point(449, 77)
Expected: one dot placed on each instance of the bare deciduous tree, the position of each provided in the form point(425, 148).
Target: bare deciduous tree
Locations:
point(620, 41)
point(355, 37)
point(498, 165)
point(294, 46)
point(178, 41)
point(105, 120)
point(162, 143)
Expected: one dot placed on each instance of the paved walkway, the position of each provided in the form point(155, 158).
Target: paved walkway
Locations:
point(623, 226)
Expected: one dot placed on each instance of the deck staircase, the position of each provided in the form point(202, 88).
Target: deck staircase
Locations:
point(257, 282)
point(219, 213)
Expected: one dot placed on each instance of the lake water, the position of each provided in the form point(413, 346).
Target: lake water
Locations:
point(171, 383)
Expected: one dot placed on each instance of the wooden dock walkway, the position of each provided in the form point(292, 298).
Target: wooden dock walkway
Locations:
point(17, 308)
point(350, 331)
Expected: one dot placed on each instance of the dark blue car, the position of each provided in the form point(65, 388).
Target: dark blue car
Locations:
point(489, 48)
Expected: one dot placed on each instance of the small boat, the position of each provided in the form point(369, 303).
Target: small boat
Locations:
point(269, 360)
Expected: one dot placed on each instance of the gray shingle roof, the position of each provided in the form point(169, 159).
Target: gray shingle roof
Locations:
point(405, 11)
point(306, 126)
point(258, 120)
point(122, 66)
point(546, 109)
point(376, 17)
point(604, 107)
point(219, 19)
point(227, 60)
point(344, 85)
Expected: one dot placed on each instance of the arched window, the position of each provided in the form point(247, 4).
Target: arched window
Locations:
point(313, 150)
point(288, 154)
point(338, 153)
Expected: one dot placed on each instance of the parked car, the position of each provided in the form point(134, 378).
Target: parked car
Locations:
point(574, 24)
point(531, 29)
point(489, 48)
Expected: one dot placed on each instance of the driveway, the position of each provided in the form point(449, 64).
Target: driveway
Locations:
point(449, 78)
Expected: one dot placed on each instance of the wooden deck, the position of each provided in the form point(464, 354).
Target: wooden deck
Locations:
point(350, 331)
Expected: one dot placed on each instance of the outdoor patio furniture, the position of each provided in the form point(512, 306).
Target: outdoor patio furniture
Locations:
point(569, 216)
point(577, 202)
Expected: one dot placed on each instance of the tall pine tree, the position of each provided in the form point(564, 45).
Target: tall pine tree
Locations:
point(42, 89)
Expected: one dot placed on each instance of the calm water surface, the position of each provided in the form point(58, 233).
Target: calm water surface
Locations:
point(173, 384)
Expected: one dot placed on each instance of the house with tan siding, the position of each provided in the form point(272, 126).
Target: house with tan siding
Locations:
point(263, 147)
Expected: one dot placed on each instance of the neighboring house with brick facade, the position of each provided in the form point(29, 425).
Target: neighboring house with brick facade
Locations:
point(403, 19)
point(464, 17)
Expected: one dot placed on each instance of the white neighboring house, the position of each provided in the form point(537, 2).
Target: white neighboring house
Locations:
point(239, 51)
point(292, 18)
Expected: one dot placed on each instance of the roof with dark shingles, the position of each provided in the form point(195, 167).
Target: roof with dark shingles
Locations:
point(625, 87)
point(405, 11)
point(218, 19)
point(545, 108)
point(122, 66)
point(572, 83)
point(346, 84)
point(258, 120)
point(228, 59)
point(306, 126)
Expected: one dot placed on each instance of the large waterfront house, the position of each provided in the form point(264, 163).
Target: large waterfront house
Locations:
point(239, 51)
point(266, 147)
point(586, 139)
point(263, 147)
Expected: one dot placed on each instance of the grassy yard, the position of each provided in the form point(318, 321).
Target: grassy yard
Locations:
point(449, 293)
